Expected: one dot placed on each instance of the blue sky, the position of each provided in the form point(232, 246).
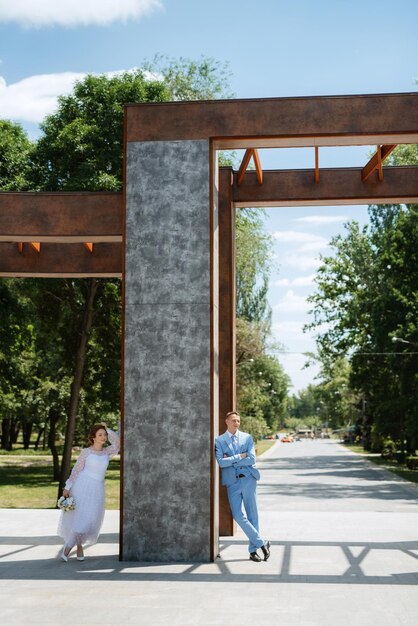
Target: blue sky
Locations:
point(273, 47)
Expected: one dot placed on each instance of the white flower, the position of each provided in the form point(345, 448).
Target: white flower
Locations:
point(66, 504)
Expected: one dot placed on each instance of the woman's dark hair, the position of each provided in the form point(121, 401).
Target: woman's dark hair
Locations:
point(93, 431)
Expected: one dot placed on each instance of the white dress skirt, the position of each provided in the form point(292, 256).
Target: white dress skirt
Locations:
point(86, 486)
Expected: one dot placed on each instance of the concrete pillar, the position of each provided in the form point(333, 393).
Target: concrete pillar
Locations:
point(170, 370)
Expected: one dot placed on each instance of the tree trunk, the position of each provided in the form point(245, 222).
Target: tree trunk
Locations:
point(76, 384)
point(5, 434)
point(26, 433)
point(53, 420)
point(14, 431)
point(38, 438)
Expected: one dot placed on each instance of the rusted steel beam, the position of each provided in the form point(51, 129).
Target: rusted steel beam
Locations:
point(320, 120)
point(379, 162)
point(252, 152)
point(59, 260)
point(61, 217)
point(375, 162)
point(338, 186)
point(227, 387)
point(244, 164)
point(258, 168)
point(36, 245)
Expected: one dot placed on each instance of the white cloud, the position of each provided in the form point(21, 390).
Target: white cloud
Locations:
point(322, 219)
point(309, 242)
point(294, 365)
point(295, 236)
point(35, 13)
point(32, 98)
point(288, 328)
point(292, 303)
point(304, 257)
point(300, 281)
point(304, 281)
point(312, 246)
point(302, 262)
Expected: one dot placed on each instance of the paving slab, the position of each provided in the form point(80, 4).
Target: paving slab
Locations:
point(344, 539)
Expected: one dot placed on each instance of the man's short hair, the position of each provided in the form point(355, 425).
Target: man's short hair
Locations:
point(233, 413)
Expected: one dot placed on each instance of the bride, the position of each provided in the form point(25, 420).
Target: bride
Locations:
point(86, 485)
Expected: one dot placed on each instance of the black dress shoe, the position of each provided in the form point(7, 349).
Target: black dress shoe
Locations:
point(266, 550)
point(254, 557)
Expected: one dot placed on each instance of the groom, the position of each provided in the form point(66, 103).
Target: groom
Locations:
point(235, 454)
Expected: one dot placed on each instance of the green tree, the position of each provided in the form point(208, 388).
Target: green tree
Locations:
point(366, 295)
point(262, 388)
point(187, 79)
point(252, 266)
point(81, 148)
point(16, 357)
point(15, 157)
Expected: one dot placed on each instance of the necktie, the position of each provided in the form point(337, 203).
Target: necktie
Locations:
point(234, 443)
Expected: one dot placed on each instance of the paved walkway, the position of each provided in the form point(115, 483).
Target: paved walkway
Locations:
point(344, 553)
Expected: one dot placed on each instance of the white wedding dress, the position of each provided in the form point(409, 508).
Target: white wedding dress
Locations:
point(86, 486)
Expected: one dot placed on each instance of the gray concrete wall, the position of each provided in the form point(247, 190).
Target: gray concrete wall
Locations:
point(167, 396)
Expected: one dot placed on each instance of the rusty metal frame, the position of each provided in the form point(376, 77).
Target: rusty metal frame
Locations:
point(337, 186)
point(381, 120)
point(251, 153)
point(280, 122)
point(72, 233)
point(376, 161)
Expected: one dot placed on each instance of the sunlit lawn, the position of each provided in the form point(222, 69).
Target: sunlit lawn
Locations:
point(26, 480)
point(27, 483)
point(263, 445)
point(392, 466)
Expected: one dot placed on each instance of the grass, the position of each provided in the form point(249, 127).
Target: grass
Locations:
point(27, 484)
point(20, 451)
point(26, 479)
point(263, 445)
point(392, 466)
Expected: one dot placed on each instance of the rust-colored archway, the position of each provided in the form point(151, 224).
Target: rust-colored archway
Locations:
point(70, 234)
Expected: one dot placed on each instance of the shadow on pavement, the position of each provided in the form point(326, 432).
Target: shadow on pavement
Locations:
point(386, 492)
point(291, 562)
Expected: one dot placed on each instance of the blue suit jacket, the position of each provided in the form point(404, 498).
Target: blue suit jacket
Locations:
point(233, 461)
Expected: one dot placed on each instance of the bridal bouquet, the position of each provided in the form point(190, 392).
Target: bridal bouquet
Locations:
point(66, 504)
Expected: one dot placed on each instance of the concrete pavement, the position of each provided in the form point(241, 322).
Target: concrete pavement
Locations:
point(344, 553)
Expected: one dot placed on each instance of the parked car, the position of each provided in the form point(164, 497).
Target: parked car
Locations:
point(287, 439)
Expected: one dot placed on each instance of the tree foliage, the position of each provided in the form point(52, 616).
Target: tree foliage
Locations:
point(253, 266)
point(15, 157)
point(366, 297)
point(187, 79)
point(81, 148)
point(57, 369)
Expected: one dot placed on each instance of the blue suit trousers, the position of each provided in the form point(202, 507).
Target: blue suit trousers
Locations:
point(243, 493)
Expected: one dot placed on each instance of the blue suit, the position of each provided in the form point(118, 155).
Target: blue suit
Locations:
point(241, 491)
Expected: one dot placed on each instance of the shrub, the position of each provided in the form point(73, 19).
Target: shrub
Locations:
point(412, 462)
point(389, 449)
